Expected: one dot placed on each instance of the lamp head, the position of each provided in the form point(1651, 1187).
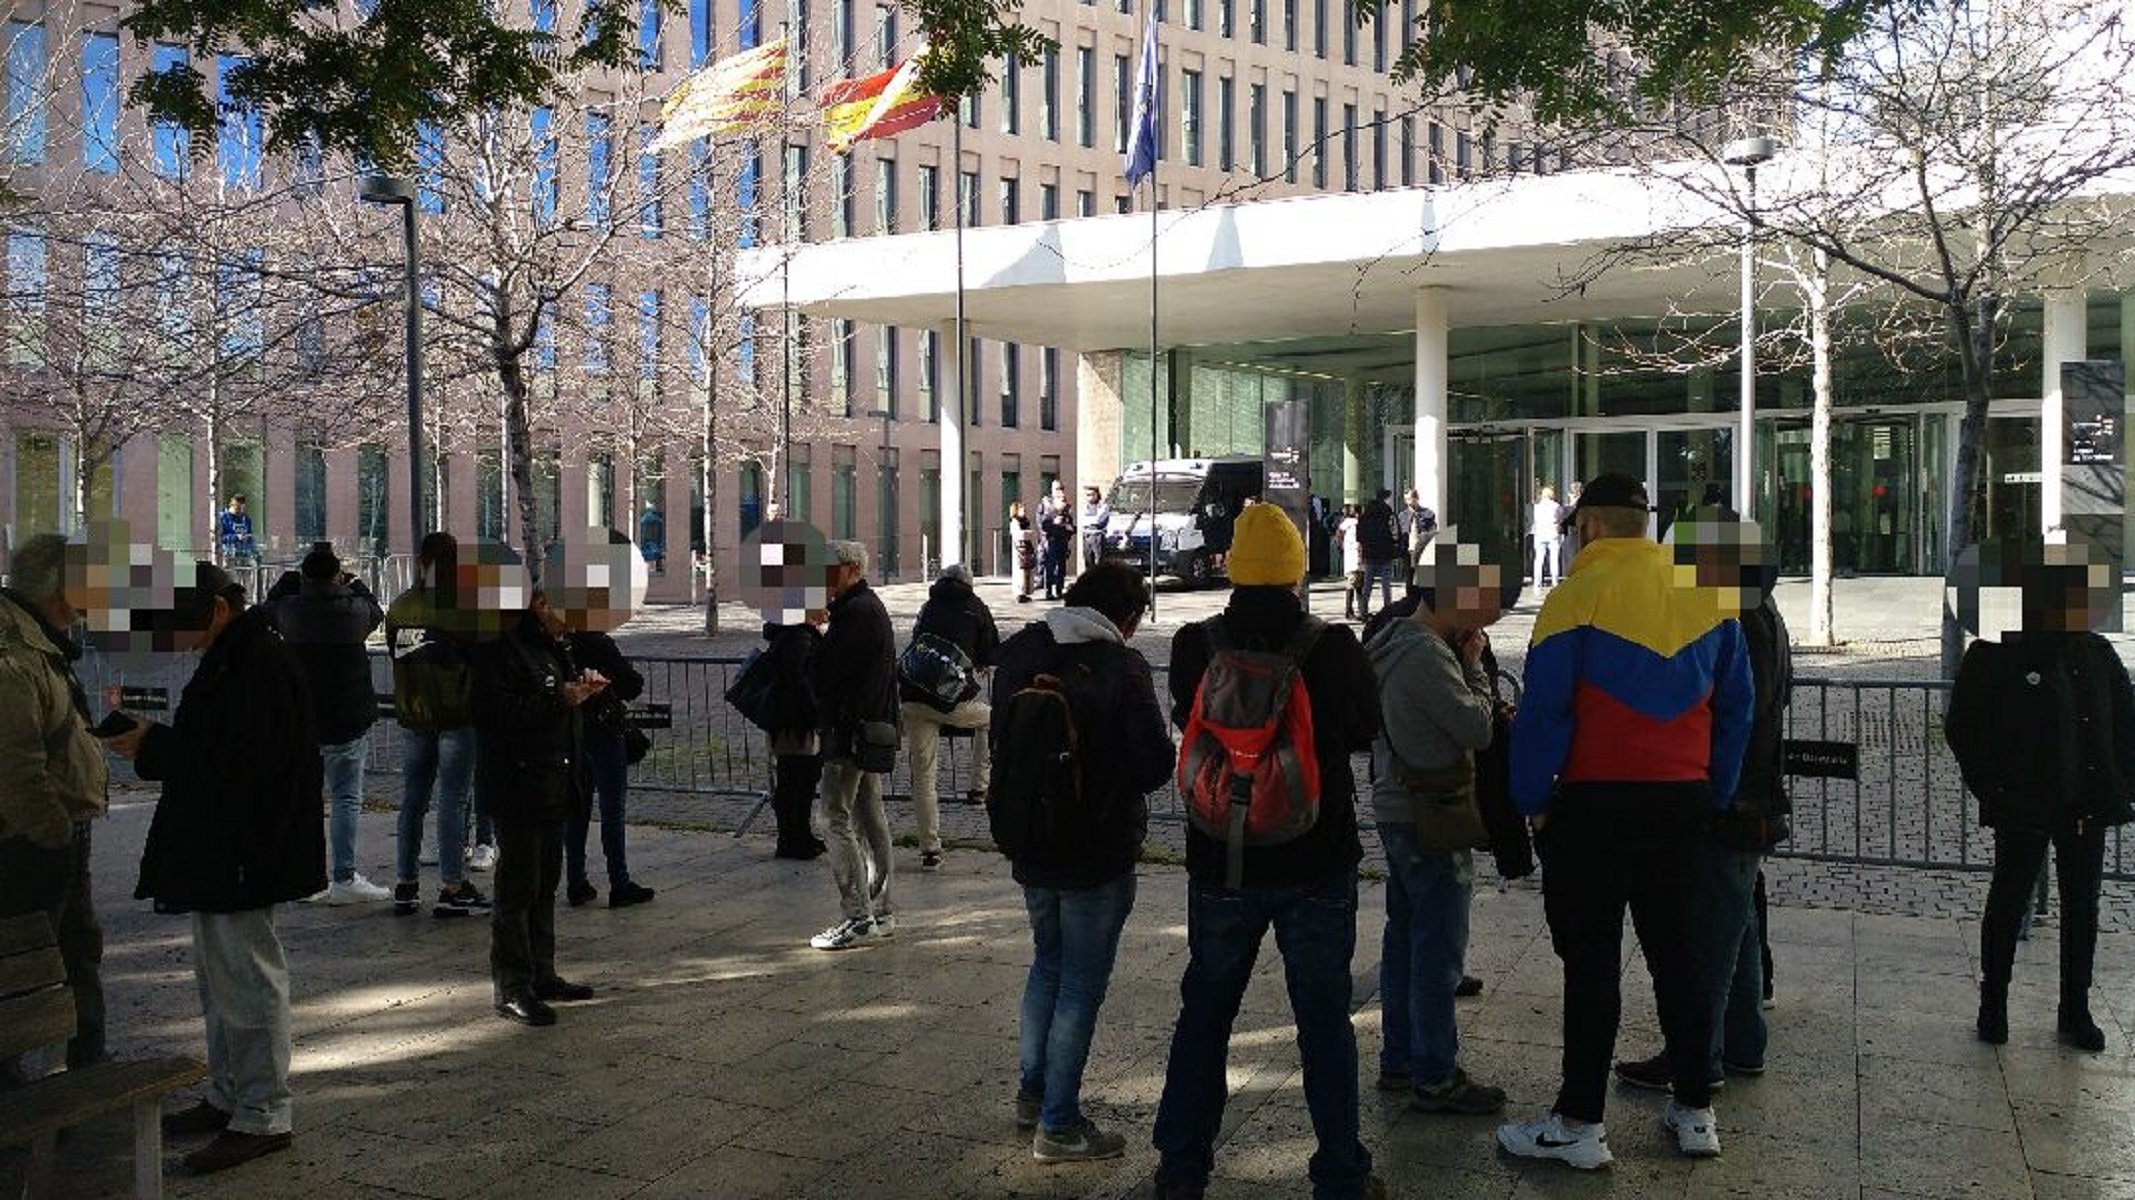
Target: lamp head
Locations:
point(1749, 151)
point(385, 189)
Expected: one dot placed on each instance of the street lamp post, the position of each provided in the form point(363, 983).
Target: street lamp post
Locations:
point(1747, 153)
point(385, 189)
point(887, 517)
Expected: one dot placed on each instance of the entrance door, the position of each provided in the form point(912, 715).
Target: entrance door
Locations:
point(2015, 495)
point(1488, 492)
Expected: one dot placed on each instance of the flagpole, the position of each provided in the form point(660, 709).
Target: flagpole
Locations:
point(954, 419)
point(1155, 157)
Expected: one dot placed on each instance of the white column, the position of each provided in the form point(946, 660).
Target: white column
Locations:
point(1355, 411)
point(2063, 341)
point(1430, 465)
point(953, 466)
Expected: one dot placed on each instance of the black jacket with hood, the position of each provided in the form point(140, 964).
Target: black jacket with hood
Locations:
point(529, 741)
point(2043, 727)
point(238, 824)
point(327, 622)
point(1128, 753)
point(1345, 721)
point(955, 614)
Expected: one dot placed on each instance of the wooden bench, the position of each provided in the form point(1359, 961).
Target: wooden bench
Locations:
point(37, 1010)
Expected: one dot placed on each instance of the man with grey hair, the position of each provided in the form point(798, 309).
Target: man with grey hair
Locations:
point(52, 780)
point(854, 675)
point(938, 678)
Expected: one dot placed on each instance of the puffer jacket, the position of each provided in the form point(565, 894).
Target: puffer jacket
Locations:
point(52, 772)
point(238, 824)
point(529, 741)
point(327, 623)
point(2043, 727)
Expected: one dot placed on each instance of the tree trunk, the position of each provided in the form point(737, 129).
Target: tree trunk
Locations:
point(708, 479)
point(1820, 565)
point(1974, 334)
point(215, 500)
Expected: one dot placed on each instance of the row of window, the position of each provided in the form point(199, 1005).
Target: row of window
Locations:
point(1196, 16)
point(1007, 378)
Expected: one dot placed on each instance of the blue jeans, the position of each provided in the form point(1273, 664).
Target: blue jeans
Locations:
point(1075, 939)
point(1420, 961)
point(611, 774)
point(447, 760)
point(1381, 573)
point(1316, 932)
point(1730, 958)
point(344, 785)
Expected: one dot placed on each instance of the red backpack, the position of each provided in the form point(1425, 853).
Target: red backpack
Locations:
point(1248, 767)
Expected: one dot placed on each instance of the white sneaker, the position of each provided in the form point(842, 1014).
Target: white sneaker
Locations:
point(353, 890)
point(1697, 1133)
point(844, 935)
point(1586, 1148)
point(482, 858)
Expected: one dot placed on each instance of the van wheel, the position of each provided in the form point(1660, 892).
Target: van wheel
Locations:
point(1196, 573)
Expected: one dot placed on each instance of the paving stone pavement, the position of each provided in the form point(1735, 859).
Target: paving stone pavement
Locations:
point(724, 1059)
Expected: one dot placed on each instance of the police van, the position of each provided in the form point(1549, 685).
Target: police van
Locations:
point(1189, 505)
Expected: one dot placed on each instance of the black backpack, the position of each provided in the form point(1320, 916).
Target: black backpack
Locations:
point(1035, 807)
point(754, 693)
point(938, 671)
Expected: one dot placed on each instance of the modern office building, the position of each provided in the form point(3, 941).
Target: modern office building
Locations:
point(1263, 99)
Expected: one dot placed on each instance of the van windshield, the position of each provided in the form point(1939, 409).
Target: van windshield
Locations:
point(1172, 495)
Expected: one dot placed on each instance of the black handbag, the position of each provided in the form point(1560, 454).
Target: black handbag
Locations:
point(875, 746)
point(636, 744)
point(754, 691)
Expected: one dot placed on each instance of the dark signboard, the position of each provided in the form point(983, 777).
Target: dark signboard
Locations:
point(650, 715)
point(1288, 480)
point(1822, 760)
point(2092, 403)
point(145, 699)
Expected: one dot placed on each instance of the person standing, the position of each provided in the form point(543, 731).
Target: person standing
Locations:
point(1306, 888)
point(1436, 694)
point(326, 616)
point(236, 832)
point(1380, 542)
point(854, 677)
point(531, 752)
point(2043, 726)
point(954, 640)
point(607, 761)
point(1730, 947)
point(233, 533)
point(796, 747)
point(1547, 522)
point(1352, 562)
point(1079, 896)
point(1023, 543)
point(428, 634)
point(52, 781)
point(1056, 525)
point(1629, 738)
point(652, 537)
point(1096, 516)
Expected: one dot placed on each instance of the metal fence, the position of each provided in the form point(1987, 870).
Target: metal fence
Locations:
point(1872, 780)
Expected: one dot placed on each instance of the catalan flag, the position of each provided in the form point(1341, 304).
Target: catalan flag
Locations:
point(882, 105)
point(731, 95)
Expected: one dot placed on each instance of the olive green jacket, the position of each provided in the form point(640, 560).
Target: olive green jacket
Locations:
point(52, 772)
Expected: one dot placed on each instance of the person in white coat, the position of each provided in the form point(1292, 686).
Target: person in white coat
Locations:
point(1548, 527)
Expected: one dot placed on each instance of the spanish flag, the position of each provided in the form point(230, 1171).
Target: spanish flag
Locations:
point(882, 105)
point(729, 96)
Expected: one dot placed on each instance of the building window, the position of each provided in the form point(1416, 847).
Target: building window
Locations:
point(885, 34)
point(1011, 201)
point(1226, 133)
point(1123, 100)
point(1226, 25)
point(1085, 202)
point(1011, 96)
point(648, 335)
point(649, 34)
point(1463, 152)
point(841, 206)
point(600, 320)
point(1289, 25)
point(929, 197)
point(310, 492)
point(796, 208)
point(1319, 142)
point(844, 484)
point(26, 279)
point(885, 195)
point(1289, 136)
point(26, 101)
point(751, 25)
point(929, 374)
point(1349, 147)
point(1048, 201)
point(600, 153)
point(1256, 128)
point(745, 350)
point(543, 13)
point(1378, 149)
point(1319, 28)
point(1049, 389)
point(746, 192)
point(967, 198)
point(700, 337)
point(1408, 152)
point(1190, 116)
point(100, 103)
point(1258, 15)
point(650, 221)
point(841, 34)
point(1349, 37)
point(170, 143)
point(489, 494)
point(1049, 95)
point(371, 493)
point(886, 369)
point(700, 190)
point(974, 410)
point(700, 33)
point(1437, 158)
point(1011, 384)
point(968, 111)
point(800, 484)
point(544, 185)
point(240, 139)
point(841, 366)
point(1378, 45)
point(1085, 96)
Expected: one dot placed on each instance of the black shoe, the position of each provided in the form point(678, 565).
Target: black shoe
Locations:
point(198, 1121)
point(1654, 1074)
point(407, 898)
point(1469, 985)
point(1993, 1023)
point(802, 852)
point(461, 901)
point(231, 1148)
point(2079, 1030)
point(579, 894)
point(1172, 1191)
point(527, 1010)
point(627, 893)
point(562, 990)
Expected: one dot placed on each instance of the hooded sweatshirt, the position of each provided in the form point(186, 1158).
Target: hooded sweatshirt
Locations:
point(1436, 712)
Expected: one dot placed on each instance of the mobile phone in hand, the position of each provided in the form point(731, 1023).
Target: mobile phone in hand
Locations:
point(113, 724)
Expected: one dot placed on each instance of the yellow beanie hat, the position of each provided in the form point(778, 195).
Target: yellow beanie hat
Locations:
point(1266, 548)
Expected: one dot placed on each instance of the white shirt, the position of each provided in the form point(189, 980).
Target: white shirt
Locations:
point(1352, 549)
point(1548, 520)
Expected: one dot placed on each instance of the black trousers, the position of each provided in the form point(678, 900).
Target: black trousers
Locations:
point(2019, 856)
point(522, 922)
point(54, 881)
point(1608, 848)
point(793, 798)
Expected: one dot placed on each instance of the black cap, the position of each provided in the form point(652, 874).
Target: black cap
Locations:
point(1610, 490)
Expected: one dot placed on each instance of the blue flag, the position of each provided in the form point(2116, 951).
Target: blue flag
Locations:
point(1147, 127)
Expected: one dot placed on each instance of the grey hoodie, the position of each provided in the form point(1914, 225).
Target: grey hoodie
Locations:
point(1073, 625)
point(1435, 709)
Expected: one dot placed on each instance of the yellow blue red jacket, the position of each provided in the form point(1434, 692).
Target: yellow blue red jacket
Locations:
point(1632, 677)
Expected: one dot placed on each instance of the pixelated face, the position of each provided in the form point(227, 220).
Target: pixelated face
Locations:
point(786, 572)
point(128, 593)
point(2002, 588)
point(1466, 581)
point(594, 582)
point(488, 590)
point(1729, 559)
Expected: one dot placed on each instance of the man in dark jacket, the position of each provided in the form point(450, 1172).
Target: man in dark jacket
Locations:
point(854, 676)
point(1380, 542)
point(326, 615)
point(1306, 888)
point(236, 832)
point(607, 761)
point(796, 746)
point(1079, 900)
point(530, 753)
point(1729, 953)
point(960, 640)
